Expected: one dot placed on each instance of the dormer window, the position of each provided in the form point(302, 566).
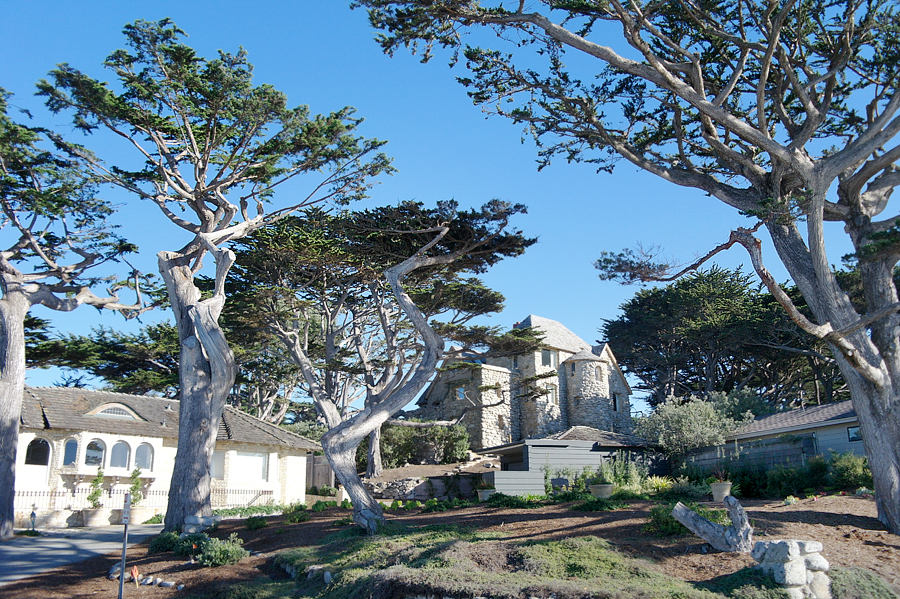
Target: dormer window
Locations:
point(114, 411)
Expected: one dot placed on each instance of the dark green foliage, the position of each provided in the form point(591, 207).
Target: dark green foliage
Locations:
point(748, 583)
point(165, 541)
point(752, 481)
point(296, 517)
point(626, 495)
point(216, 552)
point(436, 505)
point(512, 502)
point(850, 471)
point(156, 519)
point(256, 522)
point(599, 504)
point(28, 533)
point(565, 496)
point(782, 480)
point(663, 523)
point(190, 544)
point(403, 444)
point(327, 491)
point(856, 583)
point(321, 506)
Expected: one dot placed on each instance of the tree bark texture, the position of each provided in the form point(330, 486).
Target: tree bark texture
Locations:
point(13, 308)
point(374, 466)
point(736, 538)
point(340, 446)
point(206, 371)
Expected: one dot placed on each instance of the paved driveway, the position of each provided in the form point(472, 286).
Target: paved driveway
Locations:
point(22, 557)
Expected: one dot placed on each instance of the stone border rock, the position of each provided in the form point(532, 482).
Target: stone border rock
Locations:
point(795, 565)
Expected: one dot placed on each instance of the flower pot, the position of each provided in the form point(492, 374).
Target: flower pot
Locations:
point(720, 490)
point(602, 491)
point(95, 516)
point(485, 494)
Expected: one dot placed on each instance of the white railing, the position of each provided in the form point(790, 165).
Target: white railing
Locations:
point(115, 499)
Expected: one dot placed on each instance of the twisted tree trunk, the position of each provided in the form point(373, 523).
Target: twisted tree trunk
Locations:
point(207, 371)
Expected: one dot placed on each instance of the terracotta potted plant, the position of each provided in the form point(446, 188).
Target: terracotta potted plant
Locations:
point(601, 485)
point(96, 515)
point(721, 486)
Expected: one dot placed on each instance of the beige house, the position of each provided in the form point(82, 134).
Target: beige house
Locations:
point(67, 434)
point(566, 383)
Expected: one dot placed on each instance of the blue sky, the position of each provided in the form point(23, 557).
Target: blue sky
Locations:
point(323, 54)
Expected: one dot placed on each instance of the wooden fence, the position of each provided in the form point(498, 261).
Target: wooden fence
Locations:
point(792, 450)
point(318, 472)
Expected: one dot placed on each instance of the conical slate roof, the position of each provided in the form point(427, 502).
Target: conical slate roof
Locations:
point(556, 335)
point(584, 356)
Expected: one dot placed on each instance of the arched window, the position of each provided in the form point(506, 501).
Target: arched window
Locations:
point(93, 455)
point(143, 457)
point(118, 458)
point(38, 453)
point(70, 455)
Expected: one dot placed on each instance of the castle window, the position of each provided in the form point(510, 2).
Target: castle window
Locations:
point(577, 400)
point(460, 393)
point(552, 395)
point(573, 367)
point(615, 402)
point(501, 421)
point(599, 373)
point(548, 358)
point(515, 362)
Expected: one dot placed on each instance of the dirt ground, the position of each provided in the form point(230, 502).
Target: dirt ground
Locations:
point(846, 525)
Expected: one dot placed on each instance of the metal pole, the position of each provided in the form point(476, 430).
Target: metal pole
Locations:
point(126, 516)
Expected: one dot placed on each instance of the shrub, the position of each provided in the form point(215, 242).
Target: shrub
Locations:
point(850, 471)
point(411, 505)
point(321, 506)
point(327, 491)
point(135, 488)
point(512, 502)
point(856, 583)
point(345, 504)
point(190, 544)
point(255, 522)
point(297, 517)
point(684, 489)
point(663, 523)
point(155, 519)
point(396, 505)
point(216, 552)
point(565, 496)
point(165, 541)
point(96, 493)
point(313, 490)
point(752, 481)
point(404, 444)
point(658, 484)
point(629, 494)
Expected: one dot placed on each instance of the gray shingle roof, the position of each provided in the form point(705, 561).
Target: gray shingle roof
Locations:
point(799, 419)
point(604, 438)
point(556, 335)
point(66, 408)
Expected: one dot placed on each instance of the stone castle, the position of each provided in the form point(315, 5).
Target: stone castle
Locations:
point(566, 383)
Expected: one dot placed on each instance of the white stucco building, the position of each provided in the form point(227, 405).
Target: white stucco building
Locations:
point(67, 434)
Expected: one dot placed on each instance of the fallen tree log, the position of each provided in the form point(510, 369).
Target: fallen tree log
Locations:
point(735, 538)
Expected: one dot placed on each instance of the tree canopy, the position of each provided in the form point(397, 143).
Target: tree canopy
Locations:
point(785, 111)
point(714, 331)
point(214, 147)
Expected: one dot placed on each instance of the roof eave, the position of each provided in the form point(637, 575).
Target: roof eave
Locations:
point(792, 429)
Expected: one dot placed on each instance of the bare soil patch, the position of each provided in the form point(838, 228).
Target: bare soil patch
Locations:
point(846, 525)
